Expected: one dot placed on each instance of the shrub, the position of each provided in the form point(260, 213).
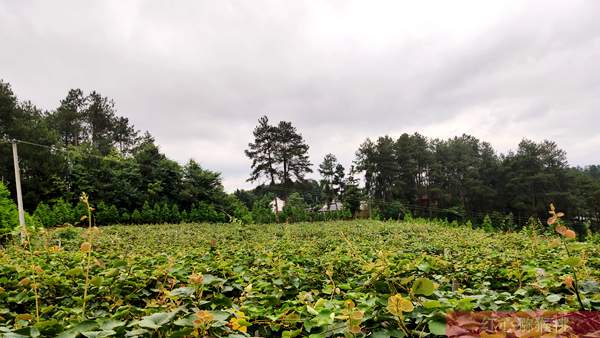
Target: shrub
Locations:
point(106, 214)
point(184, 216)
point(63, 212)
point(393, 210)
point(175, 216)
point(204, 212)
point(157, 213)
point(295, 209)
point(147, 213)
point(262, 212)
point(125, 217)
point(238, 210)
point(508, 222)
point(487, 223)
point(9, 215)
point(136, 217)
point(45, 215)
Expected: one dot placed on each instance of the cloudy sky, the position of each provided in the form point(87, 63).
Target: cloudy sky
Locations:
point(198, 74)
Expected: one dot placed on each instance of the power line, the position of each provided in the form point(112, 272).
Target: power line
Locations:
point(68, 152)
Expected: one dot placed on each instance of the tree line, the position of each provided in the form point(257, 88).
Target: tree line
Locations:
point(84, 145)
point(460, 178)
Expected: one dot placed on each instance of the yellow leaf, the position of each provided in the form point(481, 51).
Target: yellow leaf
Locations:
point(397, 304)
point(568, 281)
point(24, 316)
point(561, 229)
point(85, 247)
point(203, 318)
point(570, 234)
point(355, 329)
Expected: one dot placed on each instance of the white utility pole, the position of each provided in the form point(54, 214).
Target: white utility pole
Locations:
point(19, 193)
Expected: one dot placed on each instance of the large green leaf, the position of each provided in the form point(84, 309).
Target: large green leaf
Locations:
point(423, 286)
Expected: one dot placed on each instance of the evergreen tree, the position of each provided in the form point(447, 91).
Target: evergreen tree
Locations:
point(291, 153)
point(262, 152)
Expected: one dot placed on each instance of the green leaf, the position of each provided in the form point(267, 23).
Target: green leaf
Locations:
point(136, 333)
point(437, 326)
point(75, 272)
point(183, 291)
point(98, 334)
point(96, 281)
point(110, 324)
point(521, 292)
point(13, 335)
point(553, 298)
point(432, 304)
point(572, 261)
point(155, 321)
point(210, 279)
point(28, 332)
point(291, 334)
point(86, 325)
point(220, 316)
point(423, 286)
point(325, 317)
point(424, 266)
point(185, 321)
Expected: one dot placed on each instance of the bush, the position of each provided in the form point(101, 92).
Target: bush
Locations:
point(147, 214)
point(262, 212)
point(487, 223)
point(238, 210)
point(184, 216)
point(63, 212)
point(45, 215)
point(157, 213)
point(9, 215)
point(393, 210)
point(204, 212)
point(175, 216)
point(106, 214)
point(136, 217)
point(295, 209)
point(125, 217)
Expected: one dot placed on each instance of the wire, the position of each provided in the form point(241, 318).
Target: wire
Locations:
point(67, 151)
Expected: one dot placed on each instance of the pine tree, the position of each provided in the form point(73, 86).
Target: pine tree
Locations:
point(262, 152)
point(291, 153)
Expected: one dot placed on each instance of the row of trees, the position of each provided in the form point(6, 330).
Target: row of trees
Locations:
point(83, 145)
point(459, 178)
point(468, 179)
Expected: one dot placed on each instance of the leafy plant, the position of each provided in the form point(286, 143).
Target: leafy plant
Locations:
point(9, 217)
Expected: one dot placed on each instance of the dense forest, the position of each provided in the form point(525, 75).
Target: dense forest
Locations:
point(84, 145)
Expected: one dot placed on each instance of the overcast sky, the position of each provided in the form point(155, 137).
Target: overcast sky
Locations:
point(198, 74)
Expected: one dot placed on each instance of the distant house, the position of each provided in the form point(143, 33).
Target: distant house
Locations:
point(333, 206)
point(277, 204)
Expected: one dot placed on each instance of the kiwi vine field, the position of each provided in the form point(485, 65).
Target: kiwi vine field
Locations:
point(348, 278)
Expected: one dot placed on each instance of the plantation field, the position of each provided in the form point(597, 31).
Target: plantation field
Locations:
point(347, 278)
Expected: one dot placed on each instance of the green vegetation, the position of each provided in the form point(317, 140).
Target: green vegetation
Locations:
point(352, 278)
point(9, 217)
point(84, 146)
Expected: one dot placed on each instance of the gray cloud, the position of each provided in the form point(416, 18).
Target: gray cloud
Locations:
point(198, 74)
